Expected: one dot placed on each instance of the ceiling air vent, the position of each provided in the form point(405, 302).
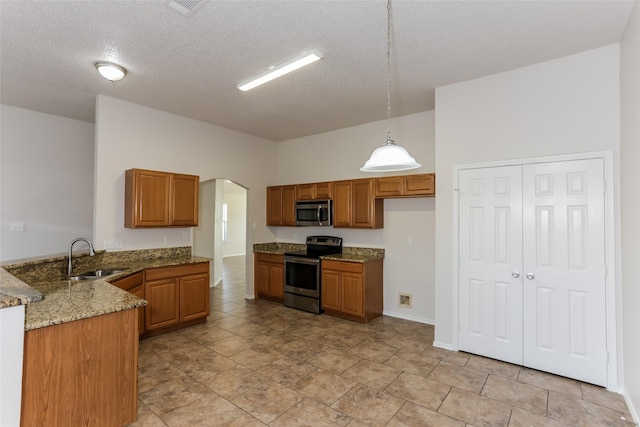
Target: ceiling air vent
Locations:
point(187, 7)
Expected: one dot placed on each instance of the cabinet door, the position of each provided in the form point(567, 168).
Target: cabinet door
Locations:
point(306, 191)
point(184, 200)
point(289, 205)
point(331, 290)
point(352, 294)
point(263, 278)
point(390, 186)
point(276, 280)
point(367, 210)
point(323, 190)
point(163, 307)
point(194, 297)
point(342, 203)
point(420, 185)
point(274, 205)
point(146, 198)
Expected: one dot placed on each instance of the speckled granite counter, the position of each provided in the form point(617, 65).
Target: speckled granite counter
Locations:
point(350, 254)
point(15, 292)
point(66, 300)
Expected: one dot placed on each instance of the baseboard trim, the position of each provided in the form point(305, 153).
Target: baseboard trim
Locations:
point(409, 317)
point(444, 346)
point(632, 409)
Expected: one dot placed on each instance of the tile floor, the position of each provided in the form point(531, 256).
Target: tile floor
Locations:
point(258, 363)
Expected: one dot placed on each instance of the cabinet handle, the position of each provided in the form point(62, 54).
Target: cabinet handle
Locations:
point(515, 274)
point(530, 276)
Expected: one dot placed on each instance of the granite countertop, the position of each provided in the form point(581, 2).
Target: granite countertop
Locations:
point(57, 300)
point(14, 292)
point(349, 254)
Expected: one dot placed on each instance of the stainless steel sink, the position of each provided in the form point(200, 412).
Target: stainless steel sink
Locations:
point(95, 274)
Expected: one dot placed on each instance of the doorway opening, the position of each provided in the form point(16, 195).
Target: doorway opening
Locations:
point(222, 229)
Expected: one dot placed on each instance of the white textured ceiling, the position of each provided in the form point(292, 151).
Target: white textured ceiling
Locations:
point(190, 66)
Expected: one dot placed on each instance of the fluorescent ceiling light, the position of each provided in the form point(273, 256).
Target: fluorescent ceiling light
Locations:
point(306, 58)
point(111, 71)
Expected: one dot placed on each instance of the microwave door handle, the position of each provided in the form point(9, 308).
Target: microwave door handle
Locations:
point(318, 214)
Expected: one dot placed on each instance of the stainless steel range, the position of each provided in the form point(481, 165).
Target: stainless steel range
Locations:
point(302, 283)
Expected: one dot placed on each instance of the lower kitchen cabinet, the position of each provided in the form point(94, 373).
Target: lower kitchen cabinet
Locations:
point(177, 296)
point(82, 373)
point(352, 290)
point(134, 284)
point(269, 276)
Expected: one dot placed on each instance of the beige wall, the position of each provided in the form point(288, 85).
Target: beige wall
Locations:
point(630, 178)
point(133, 136)
point(568, 105)
point(338, 155)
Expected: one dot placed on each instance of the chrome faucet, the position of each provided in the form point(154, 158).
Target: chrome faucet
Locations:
point(79, 239)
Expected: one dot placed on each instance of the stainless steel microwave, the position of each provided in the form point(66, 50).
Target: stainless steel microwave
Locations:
point(314, 212)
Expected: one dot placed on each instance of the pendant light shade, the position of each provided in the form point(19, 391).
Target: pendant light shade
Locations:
point(390, 158)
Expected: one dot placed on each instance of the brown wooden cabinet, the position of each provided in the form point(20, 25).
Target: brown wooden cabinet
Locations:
point(352, 290)
point(314, 191)
point(135, 285)
point(160, 199)
point(355, 205)
point(269, 276)
point(177, 296)
point(82, 373)
point(281, 205)
point(419, 185)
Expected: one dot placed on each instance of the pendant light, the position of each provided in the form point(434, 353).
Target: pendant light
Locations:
point(390, 157)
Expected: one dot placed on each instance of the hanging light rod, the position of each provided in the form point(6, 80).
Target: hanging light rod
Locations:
point(306, 58)
point(390, 157)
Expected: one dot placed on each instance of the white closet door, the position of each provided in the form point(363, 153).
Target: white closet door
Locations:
point(490, 234)
point(564, 269)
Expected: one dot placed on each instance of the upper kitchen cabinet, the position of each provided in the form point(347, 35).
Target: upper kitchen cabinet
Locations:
point(314, 191)
point(160, 199)
point(281, 205)
point(420, 185)
point(355, 205)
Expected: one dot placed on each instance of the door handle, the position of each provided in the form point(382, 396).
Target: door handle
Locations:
point(531, 276)
point(515, 274)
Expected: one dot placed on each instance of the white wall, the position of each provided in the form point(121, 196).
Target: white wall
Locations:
point(47, 182)
point(236, 201)
point(568, 105)
point(339, 155)
point(204, 233)
point(133, 136)
point(630, 177)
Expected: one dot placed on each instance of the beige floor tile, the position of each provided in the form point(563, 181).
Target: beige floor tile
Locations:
point(373, 374)
point(267, 401)
point(410, 344)
point(234, 382)
point(272, 338)
point(310, 413)
point(246, 421)
point(230, 346)
point(495, 367)
point(146, 418)
point(527, 397)
point(229, 322)
point(301, 349)
point(204, 412)
point(341, 341)
point(369, 405)
point(522, 418)
point(464, 378)
point(206, 336)
point(373, 350)
point(603, 397)
point(255, 357)
point(411, 415)
point(172, 394)
point(415, 363)
point(248, 330)
point(287, 371)
point(471, 408)
point(323, 386)
point(154, 371)
point(204, 364)
point(333, 360)
point(419, 390)
point(454, 357)
point(550, 382)
point(575, 412)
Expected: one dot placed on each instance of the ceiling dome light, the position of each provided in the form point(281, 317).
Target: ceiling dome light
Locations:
point(110, 71)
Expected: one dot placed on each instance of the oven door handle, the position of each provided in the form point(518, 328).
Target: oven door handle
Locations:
point(300, 260)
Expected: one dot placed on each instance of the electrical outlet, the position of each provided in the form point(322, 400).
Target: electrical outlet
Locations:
point(409, 241)
point(118, 243)
point(109, 243)
point(404, 300)
point(17, 226)
point(165, 240)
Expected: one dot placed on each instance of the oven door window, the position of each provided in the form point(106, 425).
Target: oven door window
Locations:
point(302, 275)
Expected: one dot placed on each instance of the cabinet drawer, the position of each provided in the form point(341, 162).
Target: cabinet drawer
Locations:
point(349, 267)
point(130, 282)
point(274, 258)
point(179, 270)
